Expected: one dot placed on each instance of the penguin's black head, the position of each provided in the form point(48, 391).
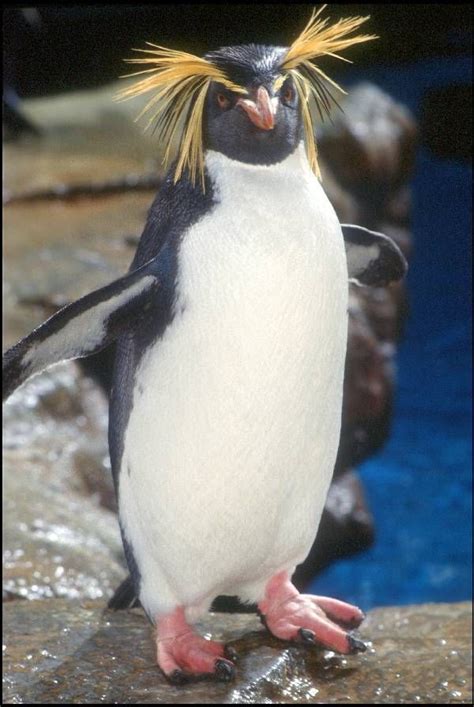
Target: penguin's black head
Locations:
point(262, 126)
point(252, 103)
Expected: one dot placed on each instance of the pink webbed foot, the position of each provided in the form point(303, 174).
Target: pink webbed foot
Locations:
point(184, 656)
point(302, 617)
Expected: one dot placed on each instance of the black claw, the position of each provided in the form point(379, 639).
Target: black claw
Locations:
point(177, 677)
point(224, 671)
point(355, 644)
point(355, 622)
point(307, 636)
point(231, 653)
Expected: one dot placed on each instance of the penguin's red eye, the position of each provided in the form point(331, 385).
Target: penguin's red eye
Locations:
point(288, 94)
point(222, 101)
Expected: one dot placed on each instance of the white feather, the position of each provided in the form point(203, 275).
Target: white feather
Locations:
point(83, 332)
point(231, 444)
point(359, 257)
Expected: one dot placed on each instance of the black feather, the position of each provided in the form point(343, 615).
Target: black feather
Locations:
point(125, 596)
point(249, 64)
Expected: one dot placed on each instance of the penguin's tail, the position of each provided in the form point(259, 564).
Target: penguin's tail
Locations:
point(125, 596)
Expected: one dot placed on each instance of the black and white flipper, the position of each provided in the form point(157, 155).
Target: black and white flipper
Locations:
point(84, 327)
point(373, 259)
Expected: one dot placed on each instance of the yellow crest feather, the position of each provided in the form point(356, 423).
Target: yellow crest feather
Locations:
point(318, 39)
point(182, 81)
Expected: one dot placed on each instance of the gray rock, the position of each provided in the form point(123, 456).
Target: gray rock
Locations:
point(370, 146)
point(59, 540)
point(57, 651)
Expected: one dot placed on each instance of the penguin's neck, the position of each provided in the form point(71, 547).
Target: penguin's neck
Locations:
point(285, 196)
point(225, 171)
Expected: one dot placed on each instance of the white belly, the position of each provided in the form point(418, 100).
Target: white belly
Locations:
point(231, 444)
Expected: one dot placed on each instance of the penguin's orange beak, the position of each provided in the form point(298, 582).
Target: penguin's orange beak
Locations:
point(261, 111)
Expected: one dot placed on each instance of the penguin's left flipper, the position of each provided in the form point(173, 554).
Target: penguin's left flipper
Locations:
point(373, 259)
point(84, 327)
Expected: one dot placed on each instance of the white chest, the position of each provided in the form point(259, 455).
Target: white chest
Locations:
point(241, 398)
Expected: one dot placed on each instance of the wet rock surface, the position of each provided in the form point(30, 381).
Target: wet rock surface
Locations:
point(57, 651)
point(60, 536)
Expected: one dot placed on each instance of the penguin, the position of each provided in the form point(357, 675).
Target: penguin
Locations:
point(230, 331)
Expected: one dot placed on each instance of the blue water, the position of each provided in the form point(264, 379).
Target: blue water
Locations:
point(419, 485)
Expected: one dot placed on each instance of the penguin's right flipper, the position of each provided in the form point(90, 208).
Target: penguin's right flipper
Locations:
point(125, 596)
point(84, 327)
point(373, 259)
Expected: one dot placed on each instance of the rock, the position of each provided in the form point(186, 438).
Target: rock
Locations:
point(84, 136)
point(60, 273)
point(370, 146)
point(57, 651)
point(92, 472)
point(345, 204)
point(59, 540)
